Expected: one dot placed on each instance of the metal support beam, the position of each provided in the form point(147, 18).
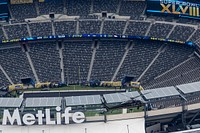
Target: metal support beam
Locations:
point(145, 110)
point(105, 118)
point(193, 118)
point(184, 112)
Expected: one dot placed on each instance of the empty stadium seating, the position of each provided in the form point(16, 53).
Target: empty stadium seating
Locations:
point(181, 33)
point(52, 6)
point(41, 29)
point(160, 30)
point(175, 76)
point(171, 57)
point(195, 37)
point(77, 56)
point(46, 61)
point(105, 5)
point(154, 64)
point(65, 27)
point(138, 58)
point(137, 28)
point(20, 12)
point(134, 9)
point(114, 27)
point(3, 79)
point(16, 31)
point(107, 59)
point(15, 63)
point(80, 7)
point(89, 27)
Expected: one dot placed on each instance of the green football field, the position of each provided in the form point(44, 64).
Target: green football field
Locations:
point(73, 87)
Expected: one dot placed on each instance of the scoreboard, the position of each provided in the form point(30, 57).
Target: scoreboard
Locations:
point(180, 8)
point(4, 12)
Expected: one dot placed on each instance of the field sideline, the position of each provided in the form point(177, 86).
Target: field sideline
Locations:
point(72, 87)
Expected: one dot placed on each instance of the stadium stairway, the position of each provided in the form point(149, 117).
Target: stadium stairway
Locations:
point(119, 6)
point(127, 23)
point(32, 67)
point(77, 27)
point(37, 8)
point(128, 47)
point(29, 31)
point(60, 49)
point(146, 34)
point(160, 51)
point(4, 32)
point(171, 31)
point(102, 24)
point(53, 28)
point(95, 45)
point(4, 72)
point(189, 38)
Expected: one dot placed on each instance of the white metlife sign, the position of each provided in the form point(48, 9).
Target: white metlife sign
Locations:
point(30, 119)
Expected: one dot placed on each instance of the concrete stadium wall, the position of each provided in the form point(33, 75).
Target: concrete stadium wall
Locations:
point(122, 126)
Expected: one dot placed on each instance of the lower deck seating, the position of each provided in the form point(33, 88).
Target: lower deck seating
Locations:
point(45, 58)
point(176, 75)
point(77, 57)
point(1, 34)
point(176, 64)
point(107, 59)
point(172, 56)
point(15, 63)
point(138, 58)
point(3, 79)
